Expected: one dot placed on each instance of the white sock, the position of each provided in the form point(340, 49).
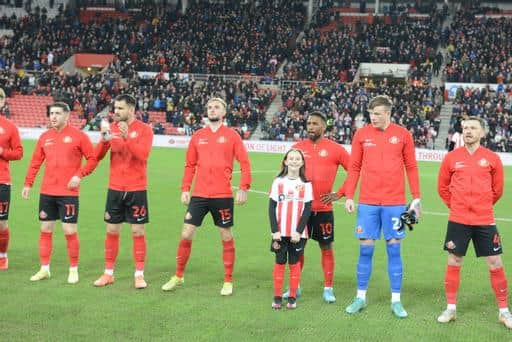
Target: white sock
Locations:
point(451, 307)
point(395, 297)
point(139, 273)
point(3, 255)
point(45, 267)
point(109, 272)
point(361, 294)
point(74, 268)
point(503, 310)
point(327, 288)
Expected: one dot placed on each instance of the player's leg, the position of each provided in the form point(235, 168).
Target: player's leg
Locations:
point(48, 214)
point(113, 217)
point(367, 231)
point(456, 244)
point(137, 214)
point(280, 249)
point(326, 226)
point(487, 242)
point(197, 209)
point(294, 251)
point(5, 200)
point(223, 217)
point(68, 212)
point(394, 232)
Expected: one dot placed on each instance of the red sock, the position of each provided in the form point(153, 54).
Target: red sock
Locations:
point(182, 255)
point(328, 266)
point(499, 285)
point(139, 251)
point(301, 261)
point(294, 279)
point(451, 283)
point(228, 256)
point(278, 276)
point(45, 247)
point(73, 245)
point(111, 249)
point(4, 240)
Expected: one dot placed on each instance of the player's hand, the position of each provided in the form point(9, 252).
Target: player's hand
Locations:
point(123, 128)
point(416, 207)
point(185, 197)
point(25, 192)
point(105, 133)
point(241, 196)
point(329, 198)
point(74, 182)
point(276, 236)
point(295, 237)
point(349, 205)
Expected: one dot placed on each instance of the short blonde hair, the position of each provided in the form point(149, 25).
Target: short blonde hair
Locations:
point(218, 99)
point(381, 100)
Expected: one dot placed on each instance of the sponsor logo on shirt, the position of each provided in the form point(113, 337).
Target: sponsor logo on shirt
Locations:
point(368, 143)
point(323, 153)
point(483, 162)
point(202, 141)
point(67, 139)
point(133, 135)
point(48, 142)
point(459, 165)
point(394, 140)
point(299, 187)
point(222, 140)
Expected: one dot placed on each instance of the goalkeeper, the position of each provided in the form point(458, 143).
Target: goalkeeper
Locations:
point(380, 153)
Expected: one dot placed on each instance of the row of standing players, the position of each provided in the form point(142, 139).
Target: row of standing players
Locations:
point(470, 182)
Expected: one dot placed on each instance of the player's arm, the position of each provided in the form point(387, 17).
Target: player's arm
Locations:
point(15, 149)
point(354, 170)
point(443, 181)
point(411, 166)
point(101, 149)
point(38, 157)
point(190, 165)
point(344, 161)
point(141, 147)
point(242, 157)
point(497, 180)
point(272, 205)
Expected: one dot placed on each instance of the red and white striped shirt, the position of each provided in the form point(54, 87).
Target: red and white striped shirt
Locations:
point(291, 195)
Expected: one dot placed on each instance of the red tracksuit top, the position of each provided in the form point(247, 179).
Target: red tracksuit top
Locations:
point(128, 157)
point(210, 158)
point(470, 184)
point(379, 158)
point(322, 161)
point(62, 153)
point(12, 148)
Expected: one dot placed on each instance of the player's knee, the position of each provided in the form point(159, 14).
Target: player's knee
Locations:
point(325, 246)
point(69, 228)
point(494, 261)
point(226, 234)
point(3, 225)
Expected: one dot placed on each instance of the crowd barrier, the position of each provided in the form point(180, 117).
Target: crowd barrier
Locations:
point(264, 146)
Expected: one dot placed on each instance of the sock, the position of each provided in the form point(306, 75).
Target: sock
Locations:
point(395, 297)
point(73, 245)
point(278, 275)
point(138, 273)
point(294, 279)
point(364, 266)
point(4, 240)
point(328, 266)
point(139, 251)
point(182, 255)
point(451, 283)
point(228, 256)
point(499, 285)
point(111, 249)
point(361, 294)
point(73, 268)
point(45, 248)
point(301, 261)
point(395, 270)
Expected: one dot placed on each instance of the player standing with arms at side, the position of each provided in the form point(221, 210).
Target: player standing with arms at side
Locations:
point(470, 182)
point(323, 158)
point(289, 209)
point(209, 159)
point(10, 149)
point(62, 149)
point(130, 141)
point(380, 153)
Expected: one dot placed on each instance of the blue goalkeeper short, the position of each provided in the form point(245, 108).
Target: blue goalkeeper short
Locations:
point(372, 219)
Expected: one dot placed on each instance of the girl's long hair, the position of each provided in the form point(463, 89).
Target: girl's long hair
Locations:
point(302, 170)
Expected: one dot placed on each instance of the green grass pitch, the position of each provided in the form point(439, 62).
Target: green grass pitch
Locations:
point(52, 310)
